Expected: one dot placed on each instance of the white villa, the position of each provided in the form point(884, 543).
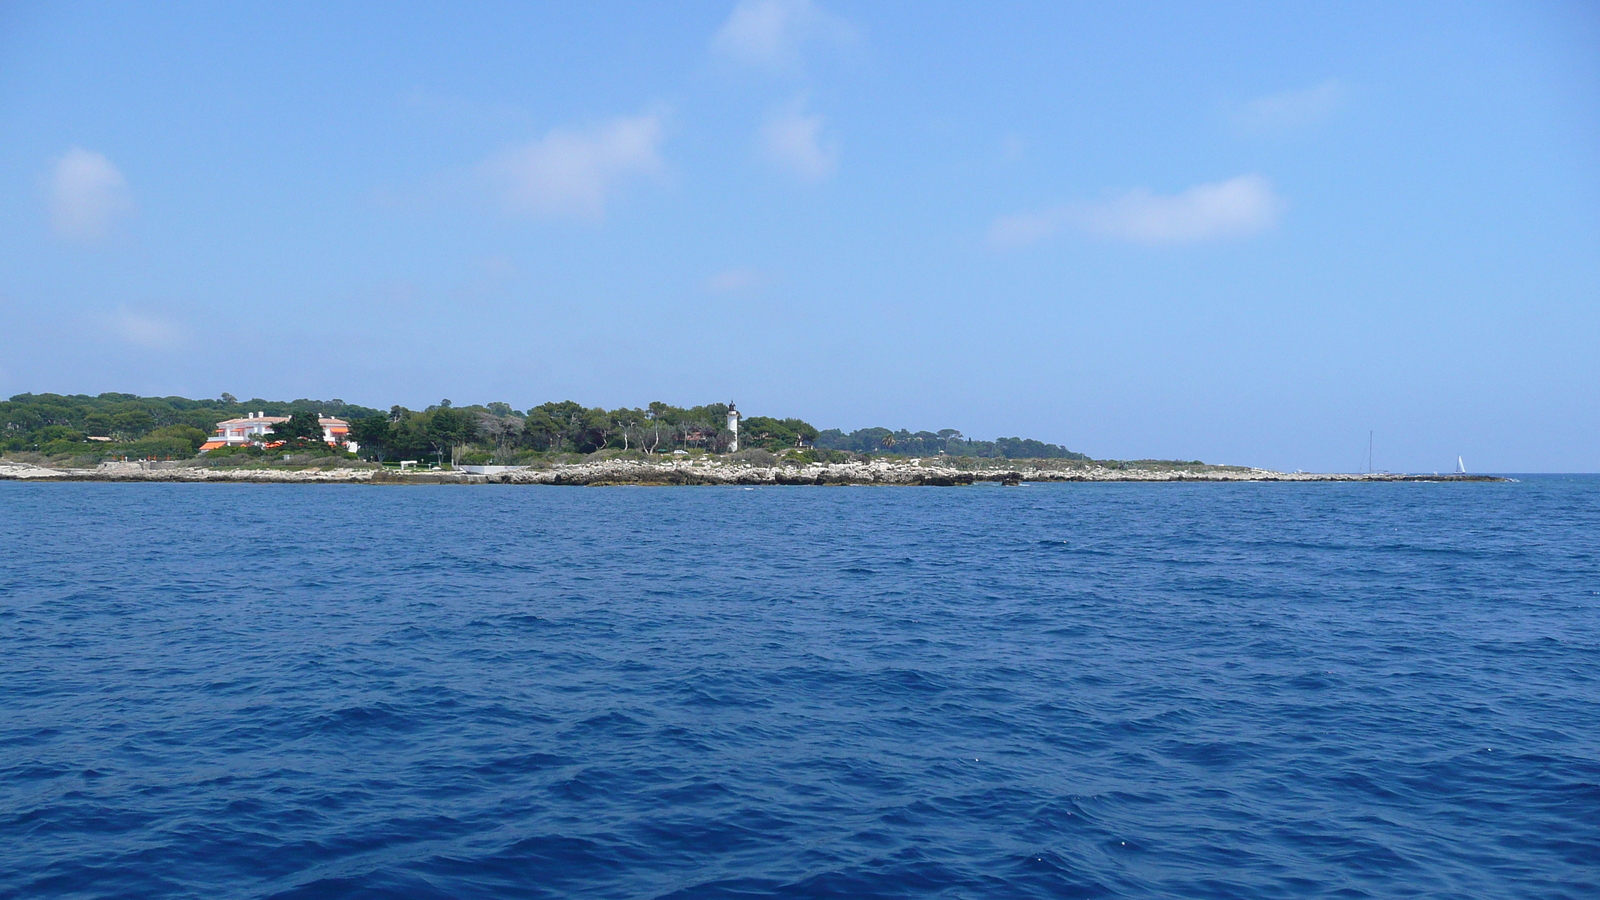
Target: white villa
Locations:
point(256, 428)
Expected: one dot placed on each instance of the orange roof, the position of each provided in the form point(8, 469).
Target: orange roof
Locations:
point(212, 445)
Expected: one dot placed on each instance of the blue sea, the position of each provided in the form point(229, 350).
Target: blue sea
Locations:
point(1071, 690)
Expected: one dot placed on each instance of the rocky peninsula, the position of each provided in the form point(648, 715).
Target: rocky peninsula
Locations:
point(703, 470)
point(124, 437)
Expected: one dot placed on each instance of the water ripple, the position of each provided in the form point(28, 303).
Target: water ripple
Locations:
point(1213, 691)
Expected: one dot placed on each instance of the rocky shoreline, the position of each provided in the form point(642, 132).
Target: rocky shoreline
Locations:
point(706, 471)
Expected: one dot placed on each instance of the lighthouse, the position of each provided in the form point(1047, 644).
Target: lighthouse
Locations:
point(733, 426)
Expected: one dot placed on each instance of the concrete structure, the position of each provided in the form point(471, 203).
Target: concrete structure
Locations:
point(256, 428)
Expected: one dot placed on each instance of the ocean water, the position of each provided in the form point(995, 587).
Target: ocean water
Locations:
point(1077, 690)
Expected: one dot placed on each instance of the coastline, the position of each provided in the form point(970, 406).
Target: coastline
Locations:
point(711, 471)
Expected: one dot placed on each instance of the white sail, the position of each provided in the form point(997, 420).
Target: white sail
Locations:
point(1461, 467)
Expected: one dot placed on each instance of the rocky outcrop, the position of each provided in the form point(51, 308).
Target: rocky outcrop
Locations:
point(706, 470)
point(903, 472)
point(168, 471)
point(20, 471)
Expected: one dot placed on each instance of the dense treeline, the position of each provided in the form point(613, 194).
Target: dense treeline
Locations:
point(496, 433)
point(934, 443)
point(134, 426)
point(127, 425)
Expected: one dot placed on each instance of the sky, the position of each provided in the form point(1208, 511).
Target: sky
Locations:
point(1245, 233)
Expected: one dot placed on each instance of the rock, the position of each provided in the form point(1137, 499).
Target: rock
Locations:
point(704, 471)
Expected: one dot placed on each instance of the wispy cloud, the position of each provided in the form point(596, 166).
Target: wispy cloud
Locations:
point(1206, 212)
point(1221, 210)
point(792, 138)
point(1290, 109)
point(146, 330)
point(772, 33)
point(576, 172)
point(735, 281)
point(86, 194)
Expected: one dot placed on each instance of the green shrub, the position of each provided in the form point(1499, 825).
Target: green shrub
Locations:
point(755, 457)
point(158, 448)
point(246, 450)
point(194, 436)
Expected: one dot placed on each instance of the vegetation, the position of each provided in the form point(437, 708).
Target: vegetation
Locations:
point(302, 427)
point(124, 425)
point(948, 442)
point(113, 426)
point(496, 433)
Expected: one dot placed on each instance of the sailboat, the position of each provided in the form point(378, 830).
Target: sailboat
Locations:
point(1461, 467)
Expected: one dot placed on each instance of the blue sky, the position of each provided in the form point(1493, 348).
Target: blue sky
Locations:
point(1245, 233)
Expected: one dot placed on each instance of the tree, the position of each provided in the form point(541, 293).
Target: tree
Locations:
point(502, 430)
point(302, 427)
point(597, 428)
point(628, 424)
point(372, 434)
point(194, 436)
point(775, 434)
point(132, 424)
point(554, 425)
point(655, 413)
point(449, 430)
point(409, 437)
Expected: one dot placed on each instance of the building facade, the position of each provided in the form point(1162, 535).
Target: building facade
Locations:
point(256, 428)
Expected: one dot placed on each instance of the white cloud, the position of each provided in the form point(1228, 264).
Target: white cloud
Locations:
point(771, 33)
point(1290, 109)
point(792, 138)
point(576, 173)
point(86, 194)
point(143, 330)
point(1235, 208)
point(734, 281)
point(1206, 212)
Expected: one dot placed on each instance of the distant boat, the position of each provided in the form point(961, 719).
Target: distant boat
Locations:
point(1461, 467)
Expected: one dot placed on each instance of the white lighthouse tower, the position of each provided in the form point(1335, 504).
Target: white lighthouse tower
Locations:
point(733, 426)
